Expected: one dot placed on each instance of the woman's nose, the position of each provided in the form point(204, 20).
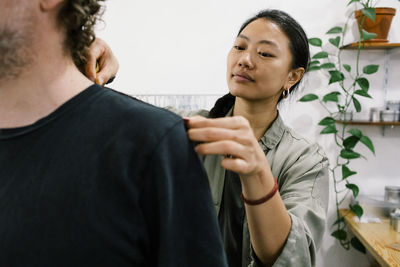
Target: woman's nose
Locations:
point(246, 60)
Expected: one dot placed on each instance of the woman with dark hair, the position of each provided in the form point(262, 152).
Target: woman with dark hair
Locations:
point(269, 185)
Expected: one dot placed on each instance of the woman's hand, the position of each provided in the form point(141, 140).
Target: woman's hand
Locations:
point(100, 53)
point(232, 137)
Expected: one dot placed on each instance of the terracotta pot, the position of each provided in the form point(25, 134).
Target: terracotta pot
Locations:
point(381, 26)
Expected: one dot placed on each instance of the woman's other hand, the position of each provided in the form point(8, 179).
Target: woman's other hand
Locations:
point(102, 65)
point(232, 137)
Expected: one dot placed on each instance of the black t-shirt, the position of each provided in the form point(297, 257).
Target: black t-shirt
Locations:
point(105, 180)
point(230, 218)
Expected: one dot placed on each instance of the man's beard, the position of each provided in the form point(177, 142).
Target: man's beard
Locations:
point(14, 52)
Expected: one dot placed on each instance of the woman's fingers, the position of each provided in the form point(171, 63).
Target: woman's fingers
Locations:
point(224, 147)
point(237, 165)
point(108, 68)
point(229, 136)
point(91, 61)
point(237, 158)
point(100, 53)
point(212, 134)
point(235, 122)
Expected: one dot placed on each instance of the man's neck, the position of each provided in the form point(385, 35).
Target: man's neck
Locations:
point(47, 84)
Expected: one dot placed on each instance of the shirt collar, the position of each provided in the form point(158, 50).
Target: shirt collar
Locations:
point(274, 133)
point(230, 112)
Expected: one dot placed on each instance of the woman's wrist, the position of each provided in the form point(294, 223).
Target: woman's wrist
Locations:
point(258, 185)
point(254, 202)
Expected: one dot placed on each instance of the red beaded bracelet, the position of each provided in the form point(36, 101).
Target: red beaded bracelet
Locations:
point(263, 199)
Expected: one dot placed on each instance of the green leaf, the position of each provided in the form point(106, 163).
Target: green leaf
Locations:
point(309, 97)
point(353, 1)
point(331, 128)
point(335, 41)
point(370, 69)
point(327, 121)
point(346, 172)
point(368, 143)
point(354, 188)
point(340, 234)
point(328, 66)
point(357, 104)
point(348, 67)
point(350, 142)
point(322, 54)
point(356, 209)
point(355, 132)
point(336, 76)
point(369, 12)
point(313, 68)
point(349, 154)
point(336, 30)
point(333, 97)
point(367, 35)
point(314, 62)
point(362, 93)
point(363, 83)
point(355, 243)
point(315, 42)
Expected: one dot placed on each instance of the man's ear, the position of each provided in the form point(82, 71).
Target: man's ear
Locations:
point(47, 5)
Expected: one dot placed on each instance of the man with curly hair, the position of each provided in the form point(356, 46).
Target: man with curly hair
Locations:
point(89, 176)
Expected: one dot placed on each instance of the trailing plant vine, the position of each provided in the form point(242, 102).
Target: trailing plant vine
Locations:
point(347, 84)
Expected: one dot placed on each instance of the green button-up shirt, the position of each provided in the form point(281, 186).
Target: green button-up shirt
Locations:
point(301, 168)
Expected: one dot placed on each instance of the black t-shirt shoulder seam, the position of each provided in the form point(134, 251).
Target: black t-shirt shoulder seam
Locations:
point(160, 109)
point(161, 139)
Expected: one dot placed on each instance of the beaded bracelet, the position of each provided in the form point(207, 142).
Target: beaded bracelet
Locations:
point(263, 199)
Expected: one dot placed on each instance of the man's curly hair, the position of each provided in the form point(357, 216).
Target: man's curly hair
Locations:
point(78, 18)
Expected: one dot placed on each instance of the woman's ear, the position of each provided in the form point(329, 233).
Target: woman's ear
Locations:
point(47, 5)
point(295, 75)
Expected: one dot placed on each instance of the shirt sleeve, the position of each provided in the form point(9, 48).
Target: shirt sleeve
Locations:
point(304, 188)
point(305, 195)
point(179, 210)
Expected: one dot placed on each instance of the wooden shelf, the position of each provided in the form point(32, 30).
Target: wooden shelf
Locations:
point(376, 237)
point(372, 123)
point(372, 45)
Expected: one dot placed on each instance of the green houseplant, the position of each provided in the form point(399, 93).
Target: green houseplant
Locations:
point(347, 84)
point(374, 19)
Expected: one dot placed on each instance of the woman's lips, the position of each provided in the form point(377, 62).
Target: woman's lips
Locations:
point(241, 77)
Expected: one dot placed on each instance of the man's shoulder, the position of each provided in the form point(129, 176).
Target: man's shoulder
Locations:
point(125, 108)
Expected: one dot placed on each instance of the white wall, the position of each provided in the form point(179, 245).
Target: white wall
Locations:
point(180, 46)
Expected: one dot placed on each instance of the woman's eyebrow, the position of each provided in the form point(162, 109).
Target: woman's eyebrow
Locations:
point(243, 37)
point(268, 42)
